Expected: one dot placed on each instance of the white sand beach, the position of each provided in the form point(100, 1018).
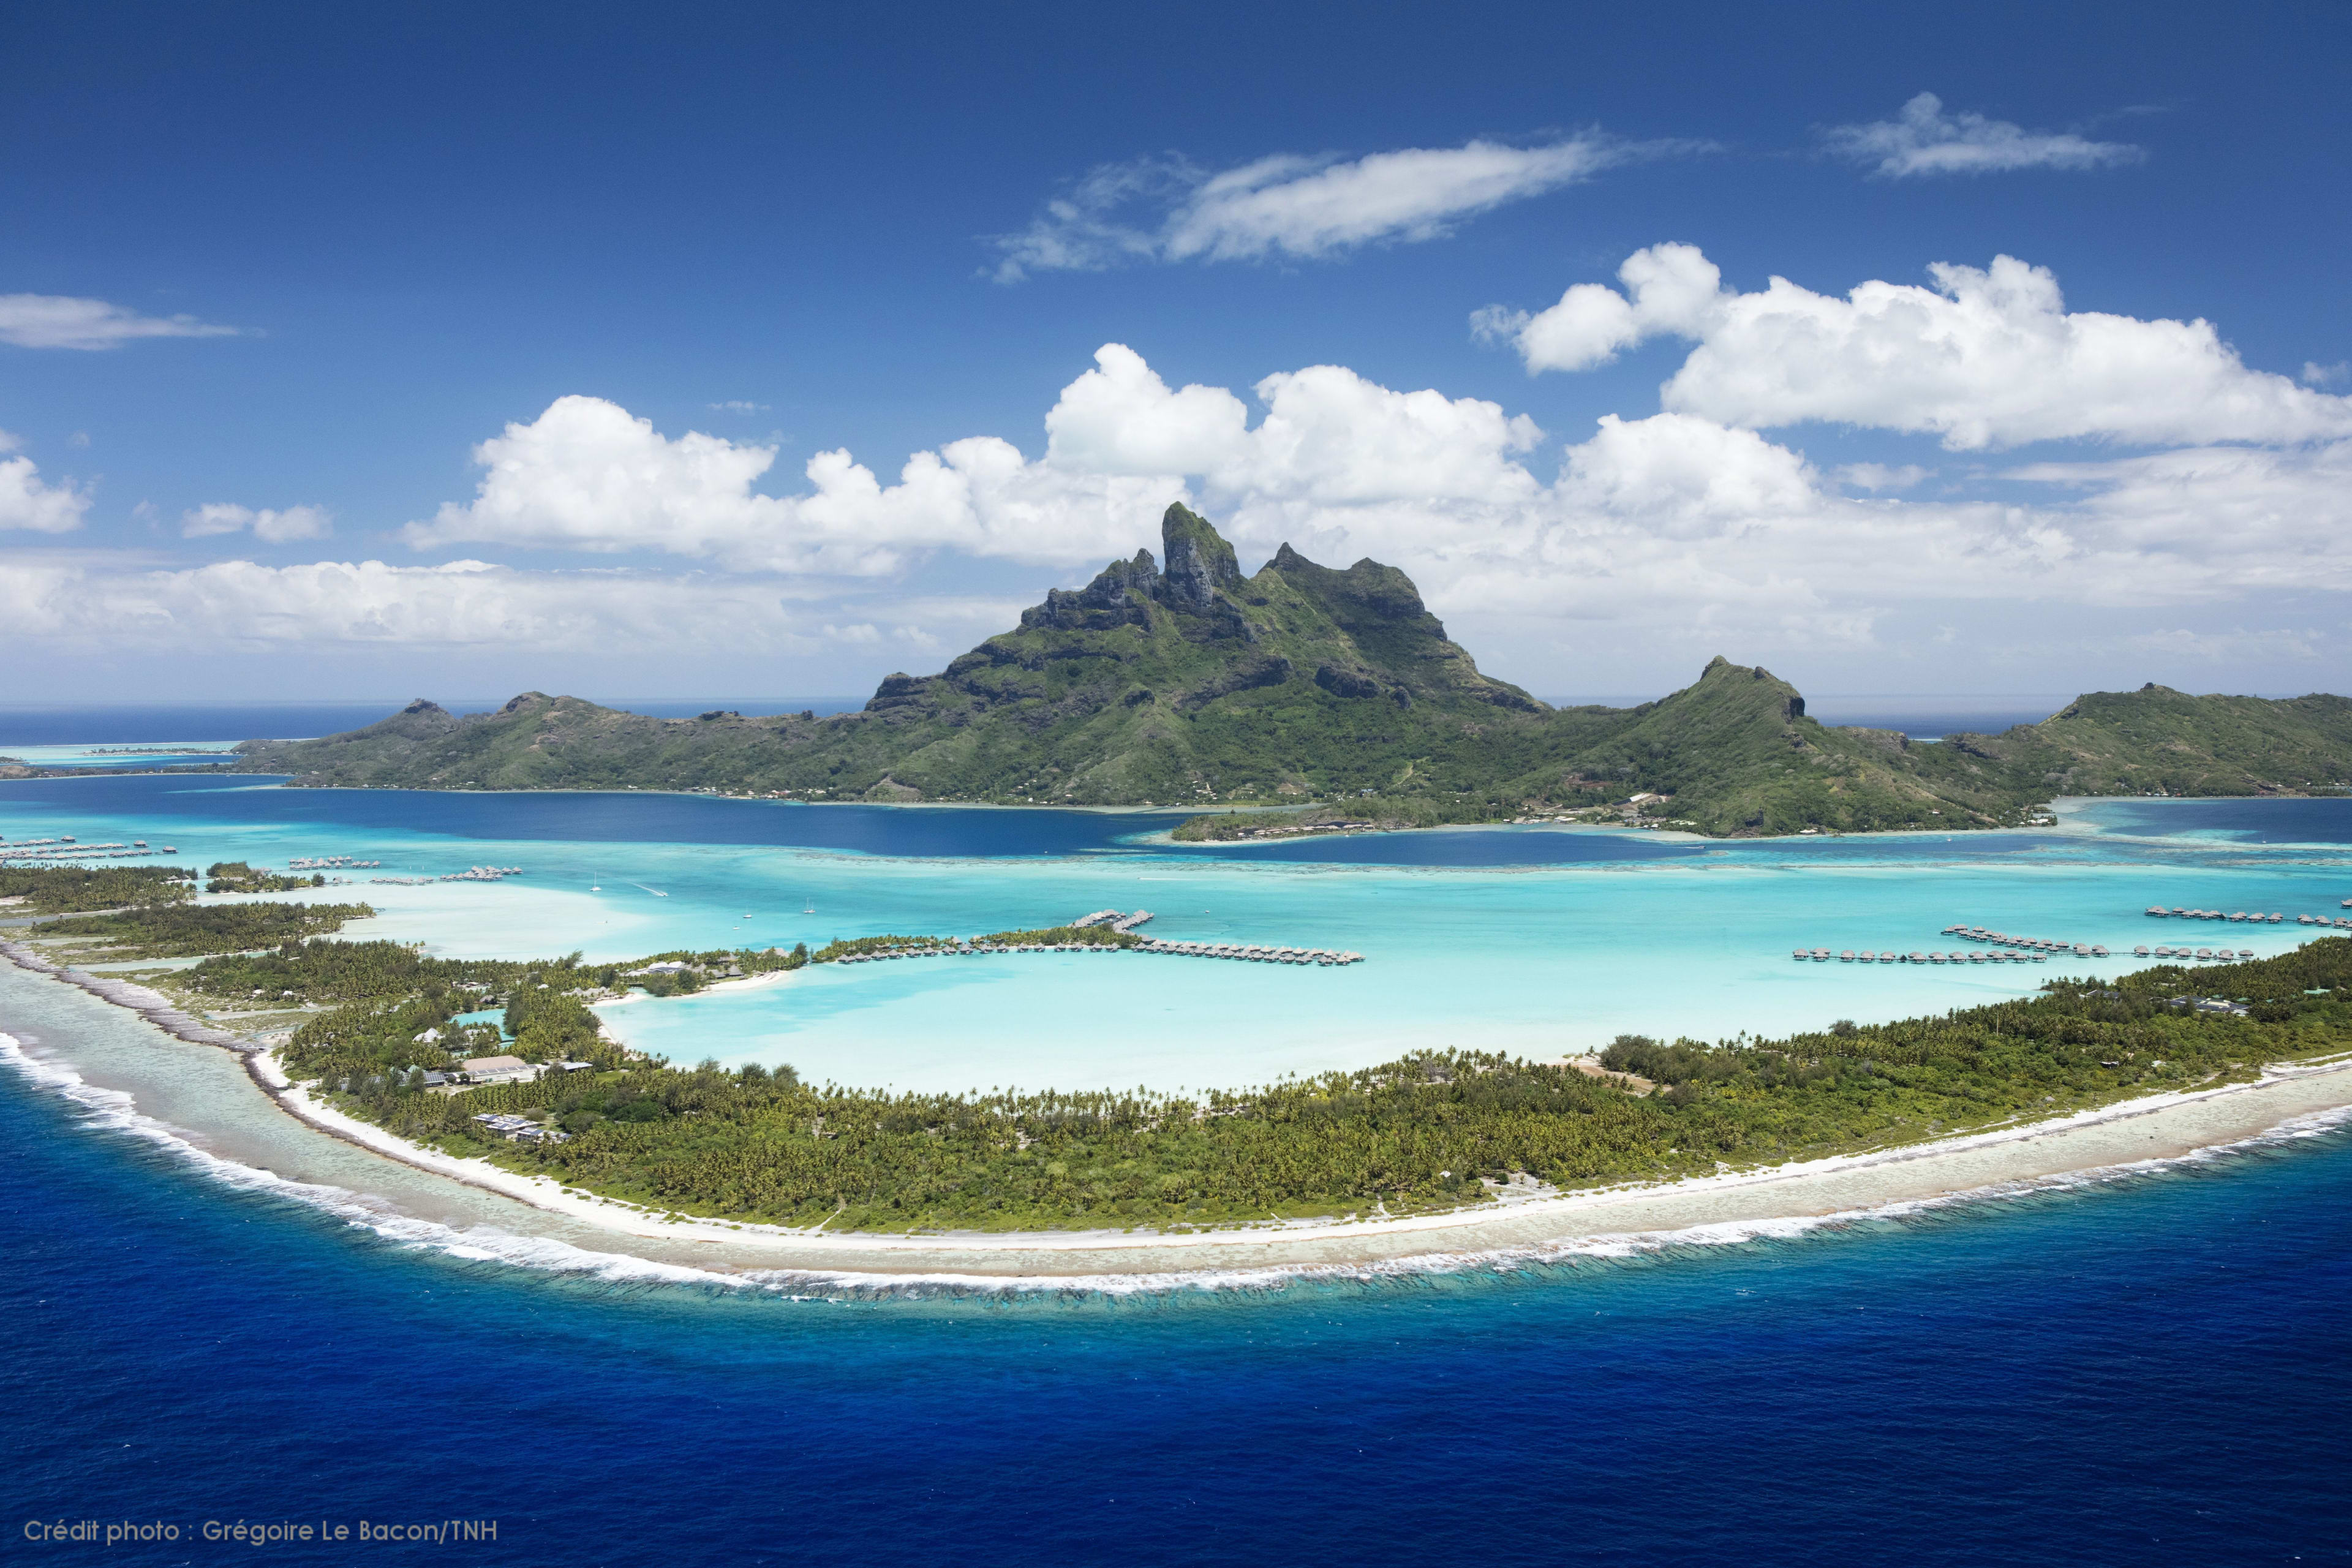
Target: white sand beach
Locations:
point(231, 1120)
point(2132, 1134)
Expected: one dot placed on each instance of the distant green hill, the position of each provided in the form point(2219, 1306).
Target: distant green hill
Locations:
point(1194, 686)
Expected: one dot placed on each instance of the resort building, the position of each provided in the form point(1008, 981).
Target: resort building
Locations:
point(497, 1069)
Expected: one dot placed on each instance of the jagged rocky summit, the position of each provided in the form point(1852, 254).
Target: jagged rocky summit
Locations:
point(1180, 682)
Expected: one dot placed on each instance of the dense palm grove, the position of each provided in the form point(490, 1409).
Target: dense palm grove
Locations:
point(184, 930)
point(1420, 1132)
point(61, 889)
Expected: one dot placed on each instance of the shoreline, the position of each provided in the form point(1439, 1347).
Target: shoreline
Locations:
point(2109, 1139)
point(2128, 1136)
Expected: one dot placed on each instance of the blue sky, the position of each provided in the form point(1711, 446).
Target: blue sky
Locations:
point(345, 355)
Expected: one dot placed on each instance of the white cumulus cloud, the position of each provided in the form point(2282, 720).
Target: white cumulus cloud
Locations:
point(1168, 209)
point(1924, 140)
point(63, 321)
point(26, 501)
point(1680, 513)
point(587, 475)
point(1669, 288)
point(1675, 532)
point(269, 526)
point(1987, 357)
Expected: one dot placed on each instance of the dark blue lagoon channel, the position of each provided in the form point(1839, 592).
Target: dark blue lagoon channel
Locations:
point(617, 816)
point(2317, 820)
point(2149, 1371)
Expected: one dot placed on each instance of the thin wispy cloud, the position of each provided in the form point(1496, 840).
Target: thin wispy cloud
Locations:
point(64, 321)
point(1924, 139)
point(271, 527)
point(1168, 209)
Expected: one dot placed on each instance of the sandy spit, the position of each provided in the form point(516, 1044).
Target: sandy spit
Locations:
point(2117, 1138)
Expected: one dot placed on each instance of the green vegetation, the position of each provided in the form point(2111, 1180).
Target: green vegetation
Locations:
point(551, 1025)
point(1045, 936)
point(1197, 687)
point(1363, 813)
point(236, 877)
point(70, 889)
point(184, 930)
point(1425, 1131)
point(392, 1008)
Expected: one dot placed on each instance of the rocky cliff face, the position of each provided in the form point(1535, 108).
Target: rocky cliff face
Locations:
point(1200, 565)
point(1200, 632)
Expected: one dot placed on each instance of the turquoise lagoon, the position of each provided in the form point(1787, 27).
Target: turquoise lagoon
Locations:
point(127, 755)
point(1528, 940)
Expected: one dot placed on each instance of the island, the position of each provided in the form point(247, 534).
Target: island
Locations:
point(503, 1066)
point(1335, 698)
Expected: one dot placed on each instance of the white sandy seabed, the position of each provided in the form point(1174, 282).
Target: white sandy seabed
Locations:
point(208, 1105)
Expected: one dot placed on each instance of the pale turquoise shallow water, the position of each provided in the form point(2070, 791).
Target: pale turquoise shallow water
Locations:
point(1547, 956)
point(128, 755)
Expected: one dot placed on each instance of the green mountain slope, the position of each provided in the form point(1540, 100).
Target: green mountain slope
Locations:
point(2160, 741)
point(1192, 685)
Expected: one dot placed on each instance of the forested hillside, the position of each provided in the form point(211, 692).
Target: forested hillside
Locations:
point(1197, 687)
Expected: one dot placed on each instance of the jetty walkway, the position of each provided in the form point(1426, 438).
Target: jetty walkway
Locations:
point(978, 947)
point(471, 874)
point(2001, 947)
point(46, 851)
point(2158, 912)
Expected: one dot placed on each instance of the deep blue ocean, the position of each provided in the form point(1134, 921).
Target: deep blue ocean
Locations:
point(2155, 1371)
